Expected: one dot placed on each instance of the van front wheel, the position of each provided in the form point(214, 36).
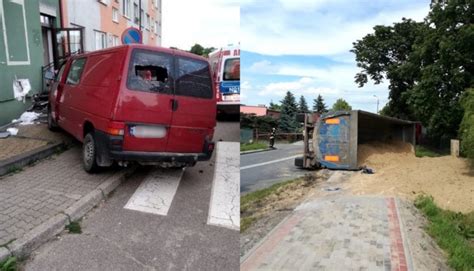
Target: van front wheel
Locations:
point(89, 153)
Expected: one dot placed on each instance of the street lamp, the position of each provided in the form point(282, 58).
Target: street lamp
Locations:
point(377, 103)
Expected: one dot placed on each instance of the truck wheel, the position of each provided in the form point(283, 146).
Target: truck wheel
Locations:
point(52, 125)
point(89, 153)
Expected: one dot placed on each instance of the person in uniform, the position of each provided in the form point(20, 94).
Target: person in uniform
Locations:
point(272, 138)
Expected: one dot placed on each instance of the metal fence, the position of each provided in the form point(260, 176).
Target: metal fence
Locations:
point(246, 135)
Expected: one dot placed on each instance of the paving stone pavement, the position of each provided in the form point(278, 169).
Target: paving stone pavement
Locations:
point(335, 233)
point(36, 194)
point(29, 138)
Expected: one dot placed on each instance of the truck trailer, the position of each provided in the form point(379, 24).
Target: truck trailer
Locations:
point(332, 140)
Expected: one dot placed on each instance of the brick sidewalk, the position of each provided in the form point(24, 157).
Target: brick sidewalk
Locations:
point(341, 233)
point(38, 193)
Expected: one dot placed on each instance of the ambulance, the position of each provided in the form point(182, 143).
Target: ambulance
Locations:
point(225, 67)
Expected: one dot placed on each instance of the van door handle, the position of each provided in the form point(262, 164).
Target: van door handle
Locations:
point(174, 104)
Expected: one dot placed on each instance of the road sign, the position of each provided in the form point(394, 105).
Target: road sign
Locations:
point(131, 35)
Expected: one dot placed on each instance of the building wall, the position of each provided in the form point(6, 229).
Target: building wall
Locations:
point(97, 15)
point(25, 51)
point(84, 13)
point(257, 110)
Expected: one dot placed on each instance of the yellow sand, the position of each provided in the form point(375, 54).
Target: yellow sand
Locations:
point(398, 172)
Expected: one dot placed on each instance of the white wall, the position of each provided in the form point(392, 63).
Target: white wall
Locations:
point(85, 13)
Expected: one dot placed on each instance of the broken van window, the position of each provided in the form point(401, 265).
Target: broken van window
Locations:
point(150, 71)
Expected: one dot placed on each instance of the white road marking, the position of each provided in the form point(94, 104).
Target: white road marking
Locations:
point(224, 208)
point(156, 192)
point(270, 162)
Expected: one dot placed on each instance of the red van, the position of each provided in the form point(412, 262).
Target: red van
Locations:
point(137, 103)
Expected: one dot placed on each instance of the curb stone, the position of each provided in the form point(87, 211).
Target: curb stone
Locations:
point(82, 206)
point(4, 254)
point(255, 151)
point(24, 246)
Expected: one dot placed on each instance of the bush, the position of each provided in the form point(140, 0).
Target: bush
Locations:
point(466, 130)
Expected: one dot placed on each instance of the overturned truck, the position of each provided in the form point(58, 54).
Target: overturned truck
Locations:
point(332, 140)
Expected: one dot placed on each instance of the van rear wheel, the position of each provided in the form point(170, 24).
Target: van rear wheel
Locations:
point(89, 154)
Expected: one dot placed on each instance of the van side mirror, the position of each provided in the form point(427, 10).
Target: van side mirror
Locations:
point(49, 75)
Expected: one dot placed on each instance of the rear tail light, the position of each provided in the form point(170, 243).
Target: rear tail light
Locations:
point(116, 128)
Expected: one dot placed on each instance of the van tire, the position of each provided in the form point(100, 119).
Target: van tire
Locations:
point(89, 154)
point(52, 125)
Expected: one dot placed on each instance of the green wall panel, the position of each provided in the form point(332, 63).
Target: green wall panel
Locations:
point(16, 43)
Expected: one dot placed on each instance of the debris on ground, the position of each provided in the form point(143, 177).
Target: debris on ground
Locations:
point(331, 189)
point(27, 118)
point(448, 179)
point(13, 131)
point(367, 170)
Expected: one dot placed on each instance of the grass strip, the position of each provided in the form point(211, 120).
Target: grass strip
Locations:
point(422, 151)
point(253, 146)
point(251, 201)
point(10, 264)
point(454, 232)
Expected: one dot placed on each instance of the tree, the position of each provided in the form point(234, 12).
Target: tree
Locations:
point(467, 124)
point(197, 49)
point(274, 106)
point(341, 105)
point(428, 65)
point(207, 51)
point(302, 105)
point(289, 109)
point(319, 106)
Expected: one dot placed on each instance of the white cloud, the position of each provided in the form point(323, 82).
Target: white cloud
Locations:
point(278, 32)
point(302, 86)
point(207, 22)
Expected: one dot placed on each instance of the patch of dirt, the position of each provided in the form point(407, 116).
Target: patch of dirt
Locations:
point(13, 146)
point(274, 208)
point(398, 172)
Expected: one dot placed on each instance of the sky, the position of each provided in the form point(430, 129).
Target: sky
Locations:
point(211, 23)
point(303, 46)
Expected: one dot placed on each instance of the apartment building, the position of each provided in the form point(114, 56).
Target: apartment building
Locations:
point(103, 21)
point(35, 34)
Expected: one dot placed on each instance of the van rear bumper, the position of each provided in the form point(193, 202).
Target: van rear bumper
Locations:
point(110, 148)
point(167, 157)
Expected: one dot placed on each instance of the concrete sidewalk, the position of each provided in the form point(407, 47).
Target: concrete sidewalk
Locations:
point(340, 232)
point(36, 203)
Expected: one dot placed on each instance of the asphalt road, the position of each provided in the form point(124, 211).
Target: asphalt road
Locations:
point(115, 238)
point(263, 169)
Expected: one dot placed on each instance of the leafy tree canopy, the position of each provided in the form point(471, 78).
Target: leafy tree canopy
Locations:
point(341, 105)
point(274, 106)
point(199, 50)
point(428, 65)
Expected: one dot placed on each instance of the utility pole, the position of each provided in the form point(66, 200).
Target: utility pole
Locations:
point(377, 103)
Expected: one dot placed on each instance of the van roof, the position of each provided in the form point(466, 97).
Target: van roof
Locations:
point(142, 46)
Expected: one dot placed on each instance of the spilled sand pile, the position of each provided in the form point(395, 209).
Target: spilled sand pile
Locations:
point(398, 172)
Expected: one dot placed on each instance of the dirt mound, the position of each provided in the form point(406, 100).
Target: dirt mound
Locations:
point(399, 172)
